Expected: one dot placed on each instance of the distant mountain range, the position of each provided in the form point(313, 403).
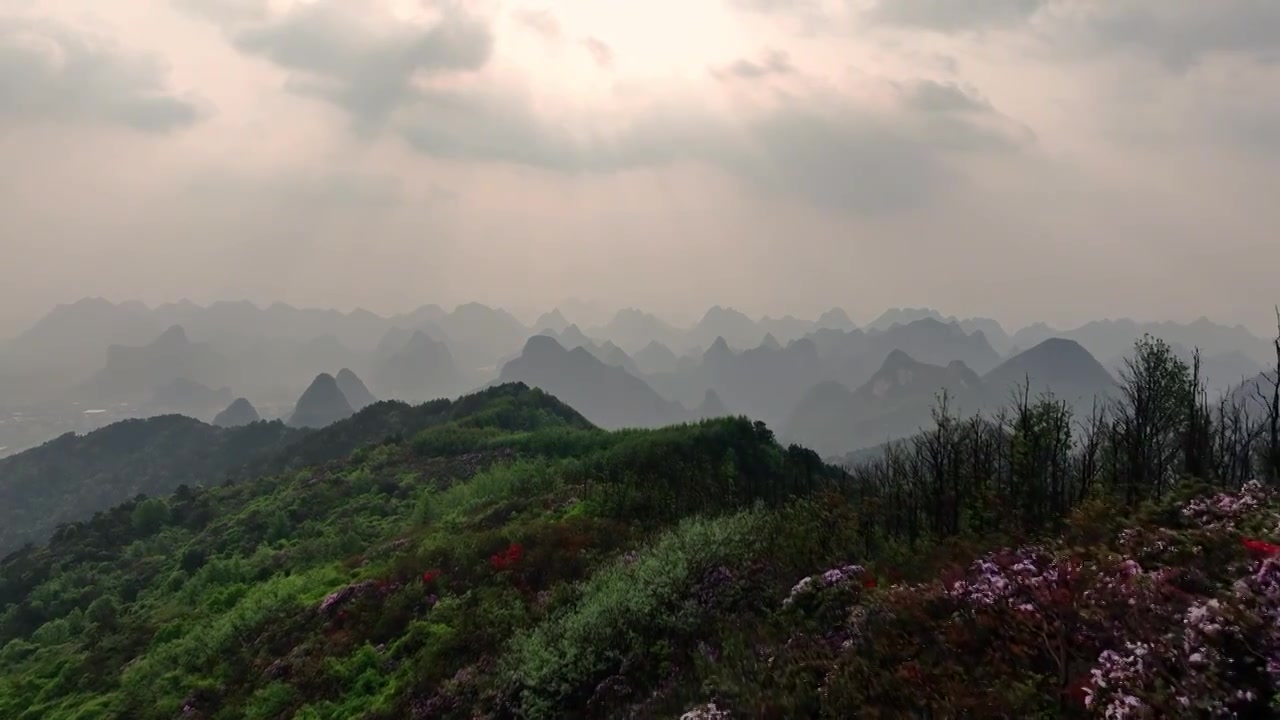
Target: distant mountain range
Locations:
point(899, 399)
point(191, 359)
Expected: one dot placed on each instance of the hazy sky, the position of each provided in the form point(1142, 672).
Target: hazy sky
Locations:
point(1023, 159)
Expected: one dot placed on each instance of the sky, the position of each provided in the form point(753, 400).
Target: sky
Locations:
point(1057, 160)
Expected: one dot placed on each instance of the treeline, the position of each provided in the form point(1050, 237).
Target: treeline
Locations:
point(1022, 470)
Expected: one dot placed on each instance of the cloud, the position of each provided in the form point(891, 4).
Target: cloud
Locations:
point(773, 62)
point(891, 151)
point(600, 52)
point(824, 149)
point(953, 15)
point(52, 72)
point(541, 22)
point(1180, 33)
point(359, 60)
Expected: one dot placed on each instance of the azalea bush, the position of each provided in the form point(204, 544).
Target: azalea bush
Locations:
point(1165, 620)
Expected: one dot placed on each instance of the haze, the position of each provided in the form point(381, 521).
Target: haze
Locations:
point(1019, 159)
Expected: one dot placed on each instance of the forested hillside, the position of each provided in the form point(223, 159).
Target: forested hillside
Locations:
point(73, 477)
point(499, 557)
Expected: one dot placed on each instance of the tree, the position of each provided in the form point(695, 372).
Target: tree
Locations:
point(149, 516)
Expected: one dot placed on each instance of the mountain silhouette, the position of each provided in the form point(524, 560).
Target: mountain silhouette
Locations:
point(607, 395)
point(710, 407)
point(131, 373)
point(553, 320)
point(1058, 365)
point(897, 401)
point(239, 412)
point(187, 397)
point(354, 390)
point(656, 358)
point(422, 369)
point(322, 404)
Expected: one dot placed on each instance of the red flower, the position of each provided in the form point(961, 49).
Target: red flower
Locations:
point(1260, 547)
point(430, 576)
point(868, 582)
point(504, 560)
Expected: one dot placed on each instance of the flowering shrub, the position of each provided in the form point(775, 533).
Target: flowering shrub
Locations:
point(506, 559)
point(1164, 622)
point(846, 576)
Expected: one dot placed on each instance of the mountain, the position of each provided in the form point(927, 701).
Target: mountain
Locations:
point(903, 316)
point(187, 397)
point(607, 395)
point(422, 369)
point(606, 352)
point(632, 329)
point(854, 356)
point(322, 404)
point(1058, 365)
point(737, 329)
point(784, 329)
point(553, 320)
point(1115, 338)
point(239, 412)
point(710, 407)
point(132, 372)
point(74, 476)
point(354, 390)
point(1224, 371)
point(656, 358)
point(993, 331)
point(834, 319)
point(896, 402)
point(480, 336)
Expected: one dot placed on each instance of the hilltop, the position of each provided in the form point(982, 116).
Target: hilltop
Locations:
point(500, 556)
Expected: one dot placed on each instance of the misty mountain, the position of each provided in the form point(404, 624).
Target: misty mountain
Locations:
point(132, 372)
point(607, 395)
point(1058, 365)
point(710, 407)
point(765, 382)
point(480, 336)
point(834, 319)
point(903, 316)
point(1115, 338)
point(735, 328)
point(784, 329)
point(553, 320)
point(354, 390)
point(322, 404)
point(656, 358)
point(897, 401)
point(239, 412)
point(856, 355)
point(606, 352)
point(73, 337)
point(421, 369)
point(187, 397)
point(632, 329)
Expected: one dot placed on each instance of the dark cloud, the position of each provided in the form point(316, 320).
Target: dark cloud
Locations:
point(933, 96)
point(50, 72)
point(339, 51)
point(773, 62)
point(825, 150)
point(953, 15)
point(541, 22)
point(600, 52)
point(1182, 32)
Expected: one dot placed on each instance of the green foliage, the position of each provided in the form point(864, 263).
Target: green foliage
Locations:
point(498, 556)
